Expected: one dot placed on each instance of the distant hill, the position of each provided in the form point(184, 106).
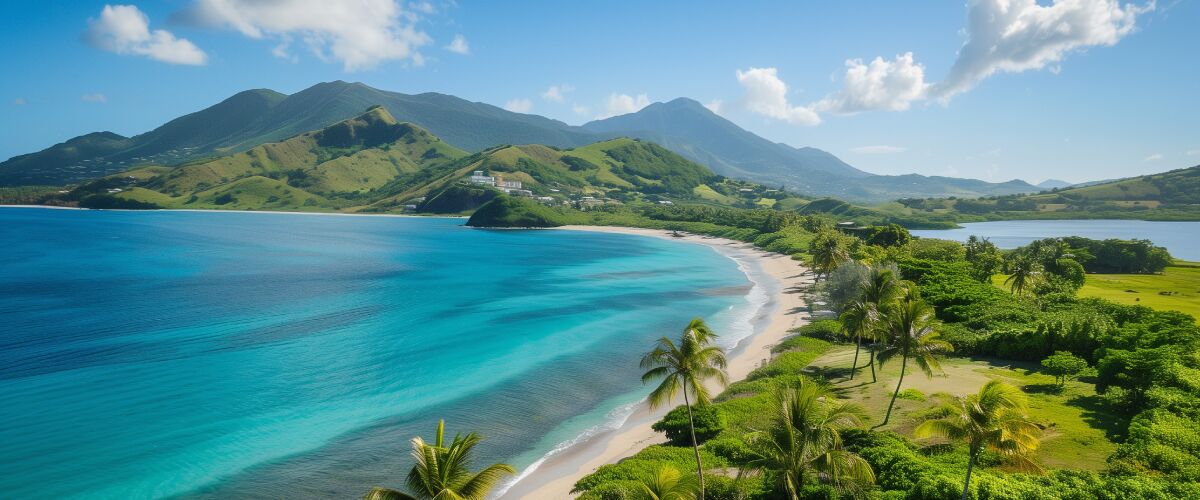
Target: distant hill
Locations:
point(1165, 196)
point(255, 117)
point(692, 130)
point(375, 163)
point(1053, 183)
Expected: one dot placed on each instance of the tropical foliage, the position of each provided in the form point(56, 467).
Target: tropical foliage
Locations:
point(442, 471)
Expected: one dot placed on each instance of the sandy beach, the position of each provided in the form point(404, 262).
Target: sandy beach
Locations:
point(556, 475)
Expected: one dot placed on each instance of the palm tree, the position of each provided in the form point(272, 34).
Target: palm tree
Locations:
point(828, 251)
point(1023, 274)
point(441, 472)
point(911, 326)
point(856, 325)
point(667, 483)
point(878, 296)
point(995, 418)
point(805, 445)
point(685, 366)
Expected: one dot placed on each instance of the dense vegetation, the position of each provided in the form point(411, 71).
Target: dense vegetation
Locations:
point(1144, 364)
point(1173, 195)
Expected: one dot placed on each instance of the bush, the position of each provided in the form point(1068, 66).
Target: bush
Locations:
point(674, 424)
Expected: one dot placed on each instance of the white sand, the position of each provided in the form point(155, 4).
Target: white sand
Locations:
point(555, 476)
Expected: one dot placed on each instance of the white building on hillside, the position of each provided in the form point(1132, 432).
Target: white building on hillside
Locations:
point(479, 178)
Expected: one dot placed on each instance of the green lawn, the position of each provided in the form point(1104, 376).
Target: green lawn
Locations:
point(1178, 288)
point(1079, 430)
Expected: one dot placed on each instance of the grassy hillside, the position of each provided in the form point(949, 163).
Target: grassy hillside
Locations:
point(1177, 288)
point(1173, 195)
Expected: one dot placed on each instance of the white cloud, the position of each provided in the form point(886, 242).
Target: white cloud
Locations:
point(715, 105)
point(459, 45)
point(96, 97)
point(581, 110)
point(766, 95)
point(358, 33)
point(620, 104)
point(878, 150)
point(1020, 35)
point(124, 29)
point(519, 105)
point(1154, 157)
point(878, 86)
point(557, 93)
point(1193, 152)
point(19, 102)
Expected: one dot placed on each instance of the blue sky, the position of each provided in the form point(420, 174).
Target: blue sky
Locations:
point(991, 89)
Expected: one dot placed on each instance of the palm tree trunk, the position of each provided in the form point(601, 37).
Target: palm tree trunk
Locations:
point(903, 365)
point(872, 349)
point(695, 445)
point(970, 465)
point(854, 364)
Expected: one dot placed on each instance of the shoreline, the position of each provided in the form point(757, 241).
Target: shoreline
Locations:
point(555, 474)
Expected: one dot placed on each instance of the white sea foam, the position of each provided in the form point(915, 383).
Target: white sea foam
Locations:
point(736, 324)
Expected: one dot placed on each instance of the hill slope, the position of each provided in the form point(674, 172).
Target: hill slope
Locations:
point(1165, 196)
point(688, 128)
point(255, 117)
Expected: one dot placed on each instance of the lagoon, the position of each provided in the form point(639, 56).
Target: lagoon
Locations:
point(1182, 239)
point(156, 354)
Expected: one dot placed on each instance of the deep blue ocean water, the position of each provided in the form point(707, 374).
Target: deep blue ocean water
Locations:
point(154, 354)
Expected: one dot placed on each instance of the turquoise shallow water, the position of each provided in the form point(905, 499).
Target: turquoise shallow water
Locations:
point(154, 354)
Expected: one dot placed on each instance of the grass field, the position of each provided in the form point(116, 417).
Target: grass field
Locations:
point(1178, 288)
point(1079, 430)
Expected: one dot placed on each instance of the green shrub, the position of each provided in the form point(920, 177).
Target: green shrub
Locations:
point(674, 424)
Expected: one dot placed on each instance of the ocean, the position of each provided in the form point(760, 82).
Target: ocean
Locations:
point(254, 355)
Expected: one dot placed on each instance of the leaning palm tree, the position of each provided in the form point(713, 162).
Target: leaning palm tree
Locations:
point(828, 251)
point(912, 335)
point(857, 326)
point(804, 445)
point(1023, 274)
point(995, 419)
point(441, 472)
point(667, 483)
point(878, 296)
point(685, 366)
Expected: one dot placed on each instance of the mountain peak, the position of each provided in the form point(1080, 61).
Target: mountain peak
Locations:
point(373, 127)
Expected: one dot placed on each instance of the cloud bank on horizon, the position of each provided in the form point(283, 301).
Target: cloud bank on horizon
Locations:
point(1003, 36)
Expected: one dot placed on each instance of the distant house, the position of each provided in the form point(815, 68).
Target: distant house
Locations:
point(410, 208)
point(115, 190)
point(479, 178)
point(664, 202)
point(545, 199)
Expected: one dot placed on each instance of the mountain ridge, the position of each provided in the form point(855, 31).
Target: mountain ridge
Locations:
point(260, 116)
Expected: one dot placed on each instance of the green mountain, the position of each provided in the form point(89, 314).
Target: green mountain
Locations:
point(1164, 196)
point(374, 163)
point(255, 117)
point(692, 130)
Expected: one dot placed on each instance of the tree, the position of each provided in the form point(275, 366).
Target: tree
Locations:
point(804, 444)
point(912, 334)
point(994, 419)
point(667, 483)
point(1064, 366)
point(685, 366)
point(984, 257)
point(878, 295)
point(843, 285)
point(891, 235)
point(1024, 273)
point(442, 472)
point(829, 249)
